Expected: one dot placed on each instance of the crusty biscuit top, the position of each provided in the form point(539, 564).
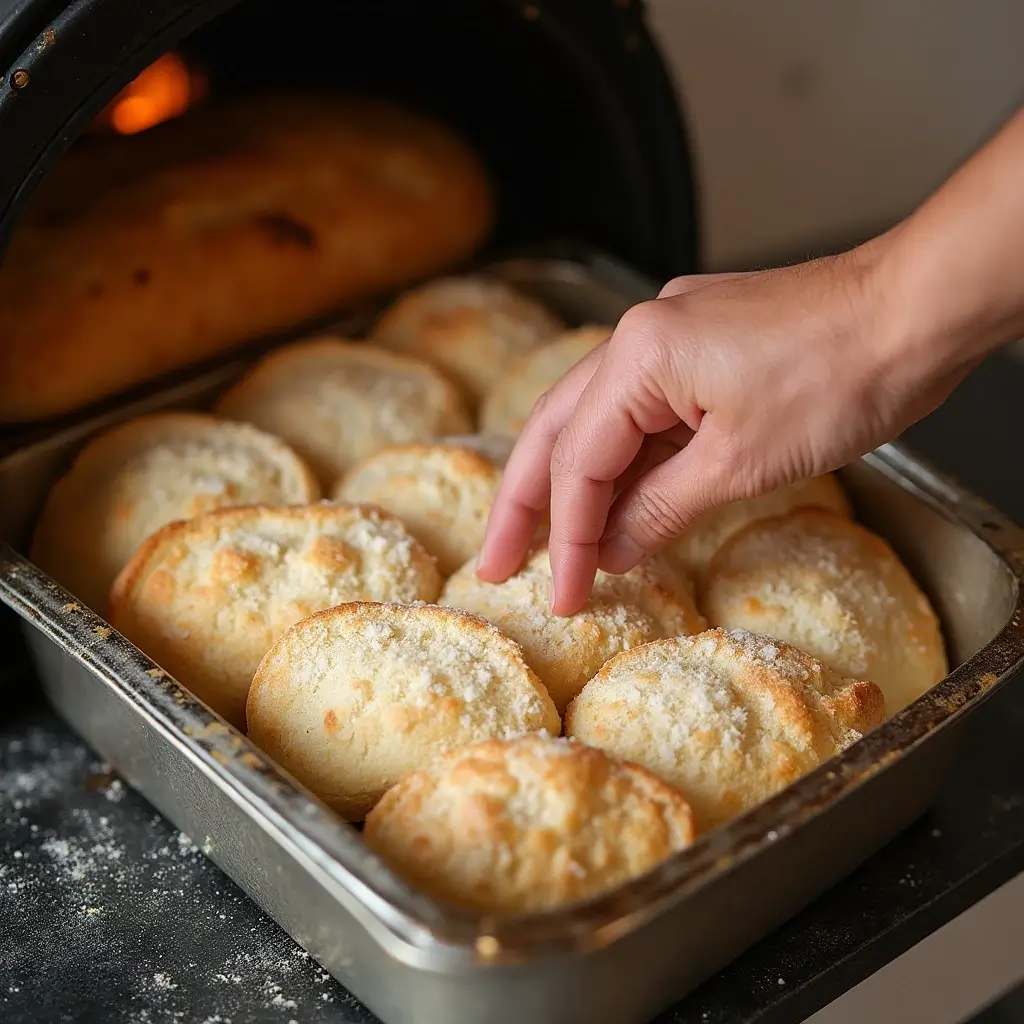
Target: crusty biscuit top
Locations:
point(470, 327)
point(833, 588)
point(693, 551)
point(644, 604)
point(728, 718)
point(352, 698)
point(510, 401)
point(443, 493)
point(207, 598)
point(131, 480)
point(506, 827)
point(336, 402)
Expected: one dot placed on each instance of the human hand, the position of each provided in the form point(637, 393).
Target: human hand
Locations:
point(728, 386)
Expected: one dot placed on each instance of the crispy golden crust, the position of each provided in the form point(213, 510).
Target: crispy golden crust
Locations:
point(443, 494)
point(351, 699)
point(507, 827)
point(133, 479)
point(472, 328)
point(645, 604)
point(693, 552)
point(836, 590)
point(207, 598)
point(336, 402)
point(511, 400)
point(727, 718)
point(246, 216)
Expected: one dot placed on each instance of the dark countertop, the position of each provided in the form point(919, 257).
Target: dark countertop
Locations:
point(109, 914)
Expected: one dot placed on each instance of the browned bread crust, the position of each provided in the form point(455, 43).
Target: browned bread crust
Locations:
point(249, 215)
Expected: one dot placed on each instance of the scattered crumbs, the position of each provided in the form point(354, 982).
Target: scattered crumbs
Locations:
point(936, 833)
point(90, 863)
point(782, 981)
point(772, 835)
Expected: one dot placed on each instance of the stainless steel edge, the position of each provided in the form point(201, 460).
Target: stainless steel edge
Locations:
point(411, 959)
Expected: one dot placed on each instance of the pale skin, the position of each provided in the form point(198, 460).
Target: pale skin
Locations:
point(730, 385)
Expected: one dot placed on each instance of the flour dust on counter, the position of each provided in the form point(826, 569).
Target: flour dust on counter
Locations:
point(79, 850)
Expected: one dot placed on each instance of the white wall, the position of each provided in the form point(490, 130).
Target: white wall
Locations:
point(820, 121)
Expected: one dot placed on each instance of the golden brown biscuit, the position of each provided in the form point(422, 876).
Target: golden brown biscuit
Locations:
point(835, 590)
point(727, 718)
point(133, 479)
point(469, 327)
point(646, 603)
point(511, 400)
point(443, 493)
point(336, 402)
point(207, 598)
point(249, 215)
point(351, 699)
point(513, 826)
point(693, 551)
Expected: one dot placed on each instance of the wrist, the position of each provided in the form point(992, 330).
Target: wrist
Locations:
point(948, 282)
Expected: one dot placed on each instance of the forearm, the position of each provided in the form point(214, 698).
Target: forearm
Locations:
point(951, 277)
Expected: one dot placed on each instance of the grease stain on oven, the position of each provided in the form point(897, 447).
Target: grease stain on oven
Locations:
point(283, 229)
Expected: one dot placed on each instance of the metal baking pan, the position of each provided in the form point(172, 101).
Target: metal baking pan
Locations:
point(618, 958)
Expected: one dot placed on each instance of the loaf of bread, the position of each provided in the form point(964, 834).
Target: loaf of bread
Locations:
point(248, 215)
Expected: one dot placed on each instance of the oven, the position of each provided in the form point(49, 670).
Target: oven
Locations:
point(571, 111)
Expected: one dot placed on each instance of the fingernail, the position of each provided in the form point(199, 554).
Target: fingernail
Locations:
point(619, 554)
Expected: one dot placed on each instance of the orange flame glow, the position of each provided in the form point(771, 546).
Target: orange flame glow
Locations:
point(166, 89)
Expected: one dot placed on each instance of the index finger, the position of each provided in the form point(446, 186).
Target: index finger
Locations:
point(525, 488)
point(601, 440)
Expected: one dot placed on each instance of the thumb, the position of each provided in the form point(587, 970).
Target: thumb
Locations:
point(659, 506)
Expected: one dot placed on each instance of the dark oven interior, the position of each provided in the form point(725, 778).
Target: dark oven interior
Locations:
point(567, 101)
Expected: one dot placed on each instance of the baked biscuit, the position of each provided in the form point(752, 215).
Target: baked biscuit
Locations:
point(133, 479)
point(511, 400)
point(835, 590)
point(336, 401)
point(646, 603)
point(513, 826)
point(693, 551)
point(443, 493)
point(207, 598)
point(497, 449)
point(351, 699)
point(471, 328)
point(727, 718)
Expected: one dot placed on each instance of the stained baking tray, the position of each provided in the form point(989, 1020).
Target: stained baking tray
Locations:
point(618, 958)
